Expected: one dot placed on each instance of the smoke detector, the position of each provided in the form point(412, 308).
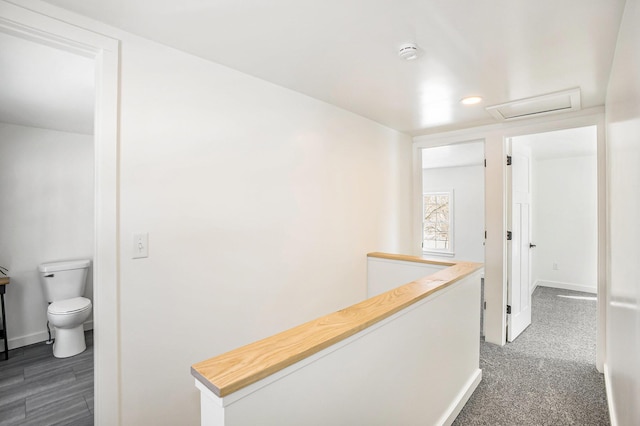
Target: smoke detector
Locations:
point(408, 51)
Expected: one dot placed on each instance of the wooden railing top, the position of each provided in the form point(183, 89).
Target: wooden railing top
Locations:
point(234, 370)
point(408, 258)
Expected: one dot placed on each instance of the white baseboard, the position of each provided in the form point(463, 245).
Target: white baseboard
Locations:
point(461, 399)
point(610, 402)
point(26, 340)
point(40, 336)
point(567, 286)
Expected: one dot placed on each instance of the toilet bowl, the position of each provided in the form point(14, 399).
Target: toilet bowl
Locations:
point(64, 284)
point(67, 317)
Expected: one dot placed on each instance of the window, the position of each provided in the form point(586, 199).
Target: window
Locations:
point(437, 225)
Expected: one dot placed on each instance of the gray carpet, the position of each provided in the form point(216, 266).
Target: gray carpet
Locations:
point(547, 376)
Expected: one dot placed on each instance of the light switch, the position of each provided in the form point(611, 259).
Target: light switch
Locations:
point(140, 245)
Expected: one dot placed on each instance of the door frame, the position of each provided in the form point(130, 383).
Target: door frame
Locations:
point(39, 28)
point(495, 136)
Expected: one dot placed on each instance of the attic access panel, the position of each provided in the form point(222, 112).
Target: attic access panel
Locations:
point(552, 103)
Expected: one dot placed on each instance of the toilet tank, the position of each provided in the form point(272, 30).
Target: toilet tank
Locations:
point(63, 280)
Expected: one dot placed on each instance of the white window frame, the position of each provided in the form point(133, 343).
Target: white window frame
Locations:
point(448, 251)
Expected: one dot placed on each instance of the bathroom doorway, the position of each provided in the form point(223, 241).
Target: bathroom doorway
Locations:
point(104, 51)
point(47, 170)
point(46, 173)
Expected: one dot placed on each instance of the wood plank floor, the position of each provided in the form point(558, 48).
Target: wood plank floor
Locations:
point(38, 389)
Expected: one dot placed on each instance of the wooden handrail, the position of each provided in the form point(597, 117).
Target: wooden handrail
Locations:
point(234, 370)
point(415, 259)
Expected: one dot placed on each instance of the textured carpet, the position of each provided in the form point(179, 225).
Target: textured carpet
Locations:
point(547, 376)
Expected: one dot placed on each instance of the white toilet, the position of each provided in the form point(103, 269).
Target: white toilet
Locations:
point(63, 284)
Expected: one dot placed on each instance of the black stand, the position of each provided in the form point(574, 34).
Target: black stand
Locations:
point(3, 332)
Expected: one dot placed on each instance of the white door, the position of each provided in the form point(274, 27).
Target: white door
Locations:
point(519, 277)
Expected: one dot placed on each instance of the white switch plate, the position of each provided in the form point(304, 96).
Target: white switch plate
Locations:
point(140, 245)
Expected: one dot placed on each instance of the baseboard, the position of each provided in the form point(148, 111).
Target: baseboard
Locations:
point(610, 402)
point(567, 286)
point(26, 340)
point(461, 399)
point(40, 336)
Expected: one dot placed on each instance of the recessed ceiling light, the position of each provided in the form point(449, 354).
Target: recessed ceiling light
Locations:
point(408, 51)
point(471, 100)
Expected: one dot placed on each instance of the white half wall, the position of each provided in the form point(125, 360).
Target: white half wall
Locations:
point(416, 367)
point(565, 223)
point(385, 274)
point(46, 182)
point(623, 187)
point(467, 183)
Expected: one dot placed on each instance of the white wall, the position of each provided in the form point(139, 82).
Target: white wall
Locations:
point(260, 204)
point(46, 182)
point(565, 222)
point(623, 186)
point(468, 185)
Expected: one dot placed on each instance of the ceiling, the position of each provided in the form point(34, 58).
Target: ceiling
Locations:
point(345, 52)
point(45, 87)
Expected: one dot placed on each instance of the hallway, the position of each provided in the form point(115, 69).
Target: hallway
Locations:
point(547, 376)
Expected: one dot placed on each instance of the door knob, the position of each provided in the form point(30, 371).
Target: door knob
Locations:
point(531, 245)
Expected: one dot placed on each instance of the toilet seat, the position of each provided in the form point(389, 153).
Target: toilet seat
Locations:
point(69, 306)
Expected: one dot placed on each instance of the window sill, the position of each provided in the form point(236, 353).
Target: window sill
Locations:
point(438, 253)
